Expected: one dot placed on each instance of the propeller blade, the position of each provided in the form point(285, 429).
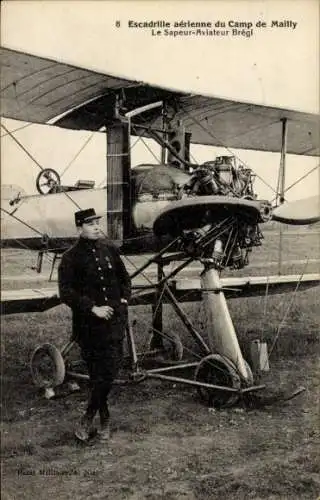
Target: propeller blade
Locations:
point(305, 211)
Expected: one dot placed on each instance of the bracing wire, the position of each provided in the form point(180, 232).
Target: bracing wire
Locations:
point(35, 161)
point(301, 178)
point(77, 154)
point(294, 293)
point(16, 130)
point(22, 222)
point(22, 146)
point(26, 224)
point(148, 147)
point(211, 134)
point(133, 144)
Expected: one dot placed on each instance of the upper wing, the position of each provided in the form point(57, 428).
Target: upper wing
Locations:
point(37, 90)
point(41, 90)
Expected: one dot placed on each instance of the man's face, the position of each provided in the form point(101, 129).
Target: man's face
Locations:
point(90, 230)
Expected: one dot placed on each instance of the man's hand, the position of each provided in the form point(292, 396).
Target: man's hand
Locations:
point(102, 311)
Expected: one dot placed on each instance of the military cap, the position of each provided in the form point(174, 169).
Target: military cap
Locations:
point(83, 216)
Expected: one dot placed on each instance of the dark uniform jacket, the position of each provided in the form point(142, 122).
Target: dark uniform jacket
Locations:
point(91, 273)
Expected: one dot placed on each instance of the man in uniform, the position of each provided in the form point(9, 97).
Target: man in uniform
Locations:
point(94, 283)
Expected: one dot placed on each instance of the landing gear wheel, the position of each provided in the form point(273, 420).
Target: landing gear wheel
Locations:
point(48, 181)
point(173, 347)
point(250, 380)
point(217, 370)
point(47, 366)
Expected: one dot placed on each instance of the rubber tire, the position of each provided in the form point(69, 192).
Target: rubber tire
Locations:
point(248, 383)
point(58, 372)
point(226, 374)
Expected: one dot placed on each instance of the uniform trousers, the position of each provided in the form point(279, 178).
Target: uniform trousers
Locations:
point(103, 356)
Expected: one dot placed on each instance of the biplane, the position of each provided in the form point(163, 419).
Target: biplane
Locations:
point(178, 210)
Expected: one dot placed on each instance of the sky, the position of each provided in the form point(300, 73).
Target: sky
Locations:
point(276, 66)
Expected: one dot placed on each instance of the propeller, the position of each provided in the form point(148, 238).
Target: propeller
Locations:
point(304, 211)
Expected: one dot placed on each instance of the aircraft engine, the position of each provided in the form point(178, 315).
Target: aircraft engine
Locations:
point(222, 177)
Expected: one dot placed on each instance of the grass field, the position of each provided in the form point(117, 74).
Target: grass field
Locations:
point(165, 443)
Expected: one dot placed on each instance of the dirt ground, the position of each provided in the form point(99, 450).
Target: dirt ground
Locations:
point(166, 444)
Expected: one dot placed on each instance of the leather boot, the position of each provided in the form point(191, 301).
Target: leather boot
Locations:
point(104, 432)
point(84, 429)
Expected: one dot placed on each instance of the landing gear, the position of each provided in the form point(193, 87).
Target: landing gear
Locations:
point(47, 368)
point(218, 370)
point(222, 374)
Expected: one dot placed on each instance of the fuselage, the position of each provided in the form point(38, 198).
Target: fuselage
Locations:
point(47, 221)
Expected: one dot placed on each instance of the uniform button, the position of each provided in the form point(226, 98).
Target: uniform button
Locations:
point(94, 250)
point(106, 299)
point(99, 269)
point(101, 277)
point(97, 260)
point(103, 289)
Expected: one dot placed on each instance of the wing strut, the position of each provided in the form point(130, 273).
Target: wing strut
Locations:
point(282, 180)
